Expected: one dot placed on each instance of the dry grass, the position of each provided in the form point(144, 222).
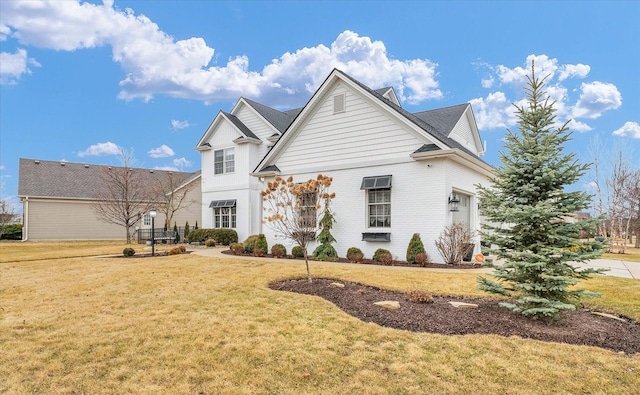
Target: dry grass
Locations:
point(189, 324)
point(631, 255)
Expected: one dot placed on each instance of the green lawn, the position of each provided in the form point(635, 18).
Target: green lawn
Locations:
point(190, 324)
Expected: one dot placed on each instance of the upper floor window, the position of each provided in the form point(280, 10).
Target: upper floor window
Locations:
point(224, 161)
point(146, 220)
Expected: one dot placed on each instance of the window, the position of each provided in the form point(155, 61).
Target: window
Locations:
point(146, 220)
point(224, 213)
point(378, 200)
point(223, 161)
point(379, 208)
point(224, 217)
point(308, 211)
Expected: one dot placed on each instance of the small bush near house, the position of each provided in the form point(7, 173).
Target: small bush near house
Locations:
point(186, 231)
point(422, 259)
point(249, 243)
point(260, 248)
point(210, 243)
point(297, 252)
point(237, 248)
point(12, 232)
point(225, 236)
point(175, 251)
point(415, 247)
point(419, 296)
point(278, 250)
point(380, 252)
point(175, 232)
point(128, 252)
point(354, 254)
point(201, 235)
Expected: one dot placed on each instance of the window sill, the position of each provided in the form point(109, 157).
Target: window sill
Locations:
point(376, 236)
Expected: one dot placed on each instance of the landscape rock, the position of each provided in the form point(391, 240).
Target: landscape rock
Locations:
point(615, 317)
point(388, 304)
point(462, 305)
point(338, 285)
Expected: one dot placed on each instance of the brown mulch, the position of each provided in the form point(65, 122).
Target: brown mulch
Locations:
point(574, 327)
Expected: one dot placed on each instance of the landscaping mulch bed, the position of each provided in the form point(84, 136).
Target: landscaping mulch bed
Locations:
point(574, 327)
point(465, 265)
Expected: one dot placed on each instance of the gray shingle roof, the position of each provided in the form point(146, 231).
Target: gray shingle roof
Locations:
point(427, 148)
point(44, 178)
point(443, 119)
point(280, 120)
point(241, 126)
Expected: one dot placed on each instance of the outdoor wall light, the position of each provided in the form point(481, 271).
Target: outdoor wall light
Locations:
point(454, 201)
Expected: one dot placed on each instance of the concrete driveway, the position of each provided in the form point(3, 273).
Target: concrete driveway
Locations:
point(616, 267)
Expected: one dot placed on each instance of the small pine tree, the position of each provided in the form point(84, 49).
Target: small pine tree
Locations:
point(196, 226)
point(186, 231)
point(175, 232)
point(415, 247)
point(261, 247)
point(325, 250)
point(528, 193)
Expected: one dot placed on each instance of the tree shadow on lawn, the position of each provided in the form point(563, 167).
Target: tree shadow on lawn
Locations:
point(579, 327)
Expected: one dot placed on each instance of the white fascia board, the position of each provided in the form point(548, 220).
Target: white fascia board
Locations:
point(243, 102)
point(457, 156)
point(207, 134)
point(270, 173)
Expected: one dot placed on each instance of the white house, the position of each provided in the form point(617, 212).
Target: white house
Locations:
point(394, 172)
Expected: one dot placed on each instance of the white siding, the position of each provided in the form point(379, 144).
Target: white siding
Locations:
point(355, 136)
point(463, 134)
point(259, 127)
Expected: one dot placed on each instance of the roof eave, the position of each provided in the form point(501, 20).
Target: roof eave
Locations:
point(457, 156)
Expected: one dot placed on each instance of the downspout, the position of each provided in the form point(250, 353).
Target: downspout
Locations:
point(25, 219)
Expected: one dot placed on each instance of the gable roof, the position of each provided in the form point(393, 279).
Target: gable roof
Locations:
point(43, 178)
point(280, 120)
point(436, 123)
point(239, 125)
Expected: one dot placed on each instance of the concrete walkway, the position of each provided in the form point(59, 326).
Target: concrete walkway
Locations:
point(616, 268)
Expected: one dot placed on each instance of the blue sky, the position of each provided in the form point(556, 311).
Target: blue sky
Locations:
point(81, 79)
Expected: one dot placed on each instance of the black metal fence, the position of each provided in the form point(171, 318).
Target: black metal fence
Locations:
point(162, 236)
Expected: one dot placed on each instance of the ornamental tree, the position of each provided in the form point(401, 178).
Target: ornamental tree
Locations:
point(325, 250)
point(526, 210)
point(292, 209)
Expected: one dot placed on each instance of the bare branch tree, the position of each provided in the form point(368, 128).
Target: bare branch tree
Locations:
point(7, 214)
point(455, 242)
point(122, 196)
point(293, 209)
point(172, 195)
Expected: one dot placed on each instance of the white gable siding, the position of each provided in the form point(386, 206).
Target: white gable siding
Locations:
point(463, 134)
point(349, 138)
point(259, 127)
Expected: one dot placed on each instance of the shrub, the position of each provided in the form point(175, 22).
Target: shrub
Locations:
point(325, 252)
point(260, 246)
point(377, 256)
point(237, 248)
point(128, 252)
point(419, 296)
point(455, 242)
point(422, 259)
point(297, 252)
point(175, 232)
point(415, 247)
point(186, 231)
point(175, 251)
point(249, 242)
point(183, 249)
point(210, 243)
point(201, 235)
point(278, 250)
point(225, 236)
point(355, 255)
point(12, 232)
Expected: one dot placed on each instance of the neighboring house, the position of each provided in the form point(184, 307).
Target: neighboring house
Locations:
point(394, 173)
point(57, 199)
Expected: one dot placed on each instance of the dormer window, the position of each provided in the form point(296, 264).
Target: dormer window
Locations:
point(224, 161)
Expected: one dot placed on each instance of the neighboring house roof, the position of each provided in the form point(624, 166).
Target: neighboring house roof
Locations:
point(280, 120)
point(54, 179)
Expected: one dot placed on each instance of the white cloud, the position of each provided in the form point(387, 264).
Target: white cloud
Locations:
point(161, 152)
point(167, 168)
point(629, 129)
point(101, 149)
point(2, 167)
point(182, 163)
point(177, 125)
point(596, 98)
point(14, 65)
point(155, 63)
point(493, 111)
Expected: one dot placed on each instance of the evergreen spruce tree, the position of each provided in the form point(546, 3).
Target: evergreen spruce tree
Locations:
point(525, 211)
point(186, 231)
point(325, 250)
point(415, 247)
point(175, 232)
